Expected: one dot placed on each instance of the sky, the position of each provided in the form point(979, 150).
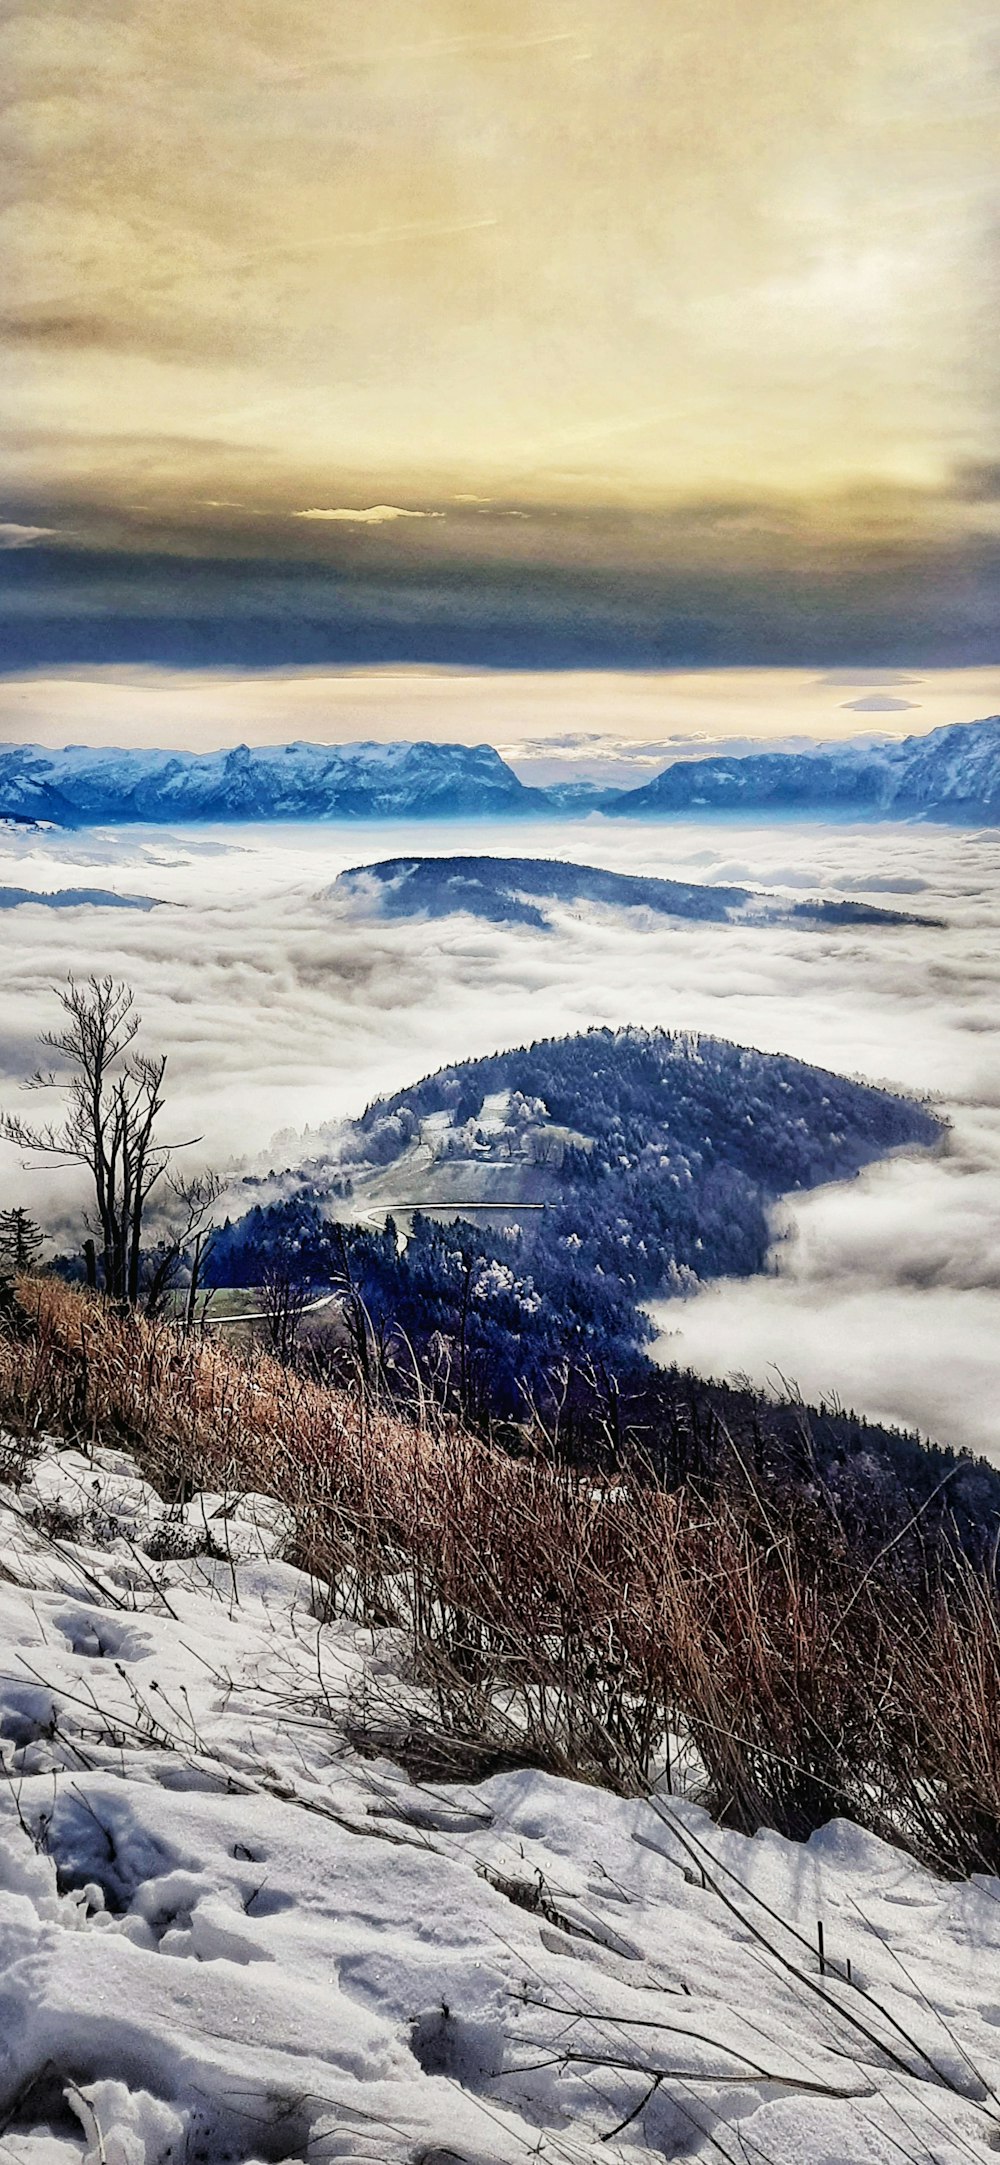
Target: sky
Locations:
point(609, 726)
point(514, 336)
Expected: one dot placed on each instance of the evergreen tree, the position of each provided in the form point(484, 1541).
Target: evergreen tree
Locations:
point(20, 1241)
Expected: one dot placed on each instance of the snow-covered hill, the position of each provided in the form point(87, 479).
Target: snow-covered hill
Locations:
point(524, 890)
point(226, 1937)
point(951, 774)
point(84, 784)
point(520, 890)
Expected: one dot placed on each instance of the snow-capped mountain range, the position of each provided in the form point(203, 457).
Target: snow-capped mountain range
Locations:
point(951, 774)
point(85, 784)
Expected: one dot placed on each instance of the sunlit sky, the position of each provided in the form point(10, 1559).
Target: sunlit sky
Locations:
point(500, 334)
point(607, 725)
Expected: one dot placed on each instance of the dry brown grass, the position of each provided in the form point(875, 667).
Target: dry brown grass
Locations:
point(577, 1622)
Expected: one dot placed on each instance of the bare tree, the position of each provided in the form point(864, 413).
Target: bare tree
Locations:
point(284, 1298)
point(115, 1098)
point(184, 1243)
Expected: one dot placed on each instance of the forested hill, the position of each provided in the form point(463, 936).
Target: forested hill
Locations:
point(656, 1154)
point(667, 1108)
point(515, 890)
point(522, 891)
point(606, 1168)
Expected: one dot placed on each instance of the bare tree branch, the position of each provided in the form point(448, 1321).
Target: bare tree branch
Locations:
point(114, 1098)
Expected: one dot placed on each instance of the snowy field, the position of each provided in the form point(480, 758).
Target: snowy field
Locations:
point(281, 1009)
point(225, 1937)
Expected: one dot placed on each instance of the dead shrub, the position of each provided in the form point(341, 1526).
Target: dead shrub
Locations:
point(589, 1624)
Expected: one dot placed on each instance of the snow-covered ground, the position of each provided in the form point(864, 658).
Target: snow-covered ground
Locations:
point(226, 1936)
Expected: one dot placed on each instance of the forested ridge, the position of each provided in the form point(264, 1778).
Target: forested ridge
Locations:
point(656, 1154)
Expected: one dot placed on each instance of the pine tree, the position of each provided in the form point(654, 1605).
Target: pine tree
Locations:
point(20, 1241)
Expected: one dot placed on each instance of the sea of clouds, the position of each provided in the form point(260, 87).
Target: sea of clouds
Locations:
point(283, 1008)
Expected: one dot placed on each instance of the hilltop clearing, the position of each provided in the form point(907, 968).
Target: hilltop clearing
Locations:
point(601, 1170)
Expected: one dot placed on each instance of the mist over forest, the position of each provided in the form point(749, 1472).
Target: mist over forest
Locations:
point(881, 1290)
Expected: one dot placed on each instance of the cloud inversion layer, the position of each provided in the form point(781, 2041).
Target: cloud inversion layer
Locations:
point(888, 1288)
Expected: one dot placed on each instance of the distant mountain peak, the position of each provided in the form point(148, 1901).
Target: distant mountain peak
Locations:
point(951, 774)
point(398, 780)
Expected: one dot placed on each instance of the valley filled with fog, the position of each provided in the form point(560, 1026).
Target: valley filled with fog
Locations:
point(284, 1007)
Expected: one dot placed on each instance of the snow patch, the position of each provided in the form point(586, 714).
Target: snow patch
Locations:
point(225, 1936)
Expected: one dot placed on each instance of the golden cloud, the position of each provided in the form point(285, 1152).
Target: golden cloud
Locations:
point(554, 255)
point(376, 515)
